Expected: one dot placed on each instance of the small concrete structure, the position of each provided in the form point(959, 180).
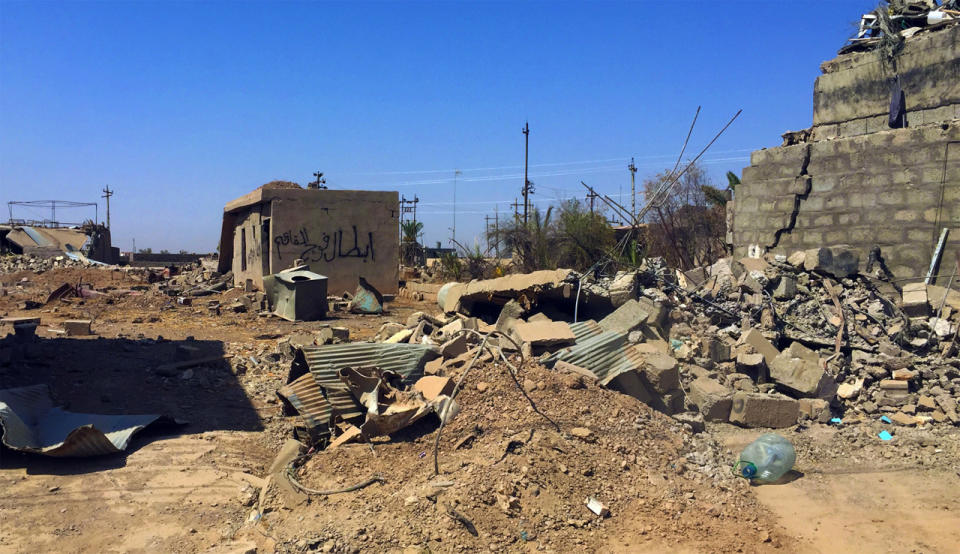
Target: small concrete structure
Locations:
point(341, 234)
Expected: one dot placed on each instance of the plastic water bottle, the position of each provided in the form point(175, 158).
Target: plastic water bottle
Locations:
point(766, 459)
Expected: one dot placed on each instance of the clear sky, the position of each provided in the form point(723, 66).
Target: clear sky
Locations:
point(180, 107)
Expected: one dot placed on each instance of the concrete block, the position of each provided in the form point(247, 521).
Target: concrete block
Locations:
point(752, 365)
point(816, 409)
point(662, 372)
point(915, 302)
point(755, 338)
point(838, 261)
point(711, 398)
point(798, 369)
point(786, 289)
point(751, 409)
point(715, 349)
point(77, 327)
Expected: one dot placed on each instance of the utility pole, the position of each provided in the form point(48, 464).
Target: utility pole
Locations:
point(526, 159)
point(633, 189)
point(591, 196)
point(320, 183)
point(496, 229)
point(455, 173)
point(486, 228)
point(107, 193)
point(516, 208)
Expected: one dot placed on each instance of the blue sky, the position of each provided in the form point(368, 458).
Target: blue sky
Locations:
point(181, 107)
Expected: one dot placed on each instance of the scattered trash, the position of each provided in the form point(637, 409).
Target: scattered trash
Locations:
point(766, 459)
point(885, 419)
point(597, 507)
point(884, 435)
point(367, 299)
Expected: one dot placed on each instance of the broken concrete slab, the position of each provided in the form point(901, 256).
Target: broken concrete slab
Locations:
point(751, 409)
point(454, 347)
point(431, 387)
point(544, 333)
point(798, 368)
point(711, 398)
point(839, 261)
point(628, 317)
point(457, 296)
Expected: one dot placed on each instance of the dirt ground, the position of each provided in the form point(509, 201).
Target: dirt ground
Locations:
point(193, 488)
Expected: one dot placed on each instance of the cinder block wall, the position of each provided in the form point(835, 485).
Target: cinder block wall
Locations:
point(856, 181)
point(880, 189)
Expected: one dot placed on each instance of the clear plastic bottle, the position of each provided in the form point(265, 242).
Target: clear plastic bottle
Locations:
point(766, 459)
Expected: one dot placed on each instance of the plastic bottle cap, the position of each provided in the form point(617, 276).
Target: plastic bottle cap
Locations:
point(749, 470)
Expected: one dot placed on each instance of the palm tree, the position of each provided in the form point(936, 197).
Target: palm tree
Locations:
point(410, 251)
point(411, 230)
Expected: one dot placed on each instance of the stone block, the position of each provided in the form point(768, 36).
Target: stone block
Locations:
point(77, 327)
point(750, 409)
point(838, 261)
point(662, 372)
point(711, 398)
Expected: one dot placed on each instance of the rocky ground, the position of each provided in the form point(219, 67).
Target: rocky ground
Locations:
point(518, 484)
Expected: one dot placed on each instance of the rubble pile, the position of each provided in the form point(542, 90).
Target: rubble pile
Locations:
point(15, 263)
point(508, 478)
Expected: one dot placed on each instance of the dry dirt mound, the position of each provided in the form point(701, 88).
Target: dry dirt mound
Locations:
point(521, 484)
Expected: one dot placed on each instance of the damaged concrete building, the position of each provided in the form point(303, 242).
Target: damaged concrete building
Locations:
point(89, 241)
point(342, 234)
point(878, 168)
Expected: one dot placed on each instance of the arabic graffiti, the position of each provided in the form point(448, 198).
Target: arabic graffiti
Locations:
point(330, 246)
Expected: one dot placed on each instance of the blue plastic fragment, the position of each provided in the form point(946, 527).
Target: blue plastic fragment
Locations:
point(885, 419)
point(676, 344)
point(836, 420)
point(884, 435)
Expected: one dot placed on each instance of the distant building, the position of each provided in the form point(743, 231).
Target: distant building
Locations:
point(90, 241)
point(342, 234)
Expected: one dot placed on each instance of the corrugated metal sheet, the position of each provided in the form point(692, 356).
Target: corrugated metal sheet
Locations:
point(606, 355)
point(31, 423)
point(405, 359)
point(585, 329)
point(307, 398)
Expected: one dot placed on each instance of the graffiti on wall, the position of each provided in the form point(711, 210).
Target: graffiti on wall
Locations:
point(330, 246)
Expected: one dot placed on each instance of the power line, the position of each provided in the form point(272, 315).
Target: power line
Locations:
point(548, 164)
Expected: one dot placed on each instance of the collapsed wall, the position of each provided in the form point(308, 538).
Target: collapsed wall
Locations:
point(850, 178)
